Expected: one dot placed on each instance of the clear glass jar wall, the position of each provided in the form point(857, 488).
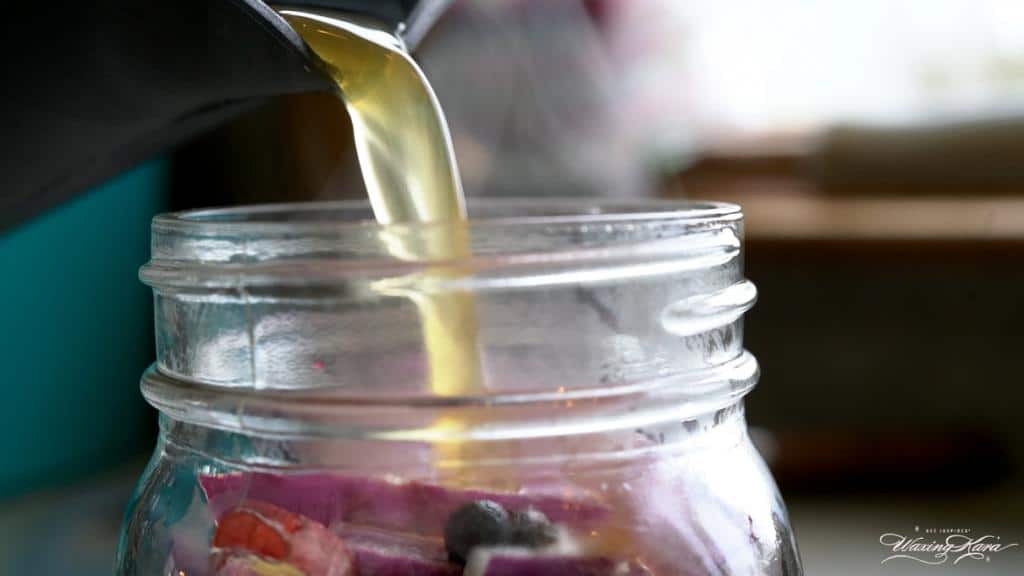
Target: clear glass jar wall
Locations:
point(300, 432)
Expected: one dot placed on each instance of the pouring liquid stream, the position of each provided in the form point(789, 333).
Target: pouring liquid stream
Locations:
point(408, 164)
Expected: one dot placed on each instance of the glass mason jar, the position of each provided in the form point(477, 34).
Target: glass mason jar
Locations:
point(303, 429)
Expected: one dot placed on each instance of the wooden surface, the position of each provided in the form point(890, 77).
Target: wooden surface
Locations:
point(779, 185)
point(796, 214)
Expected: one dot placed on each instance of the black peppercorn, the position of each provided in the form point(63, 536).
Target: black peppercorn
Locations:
point(479, 523)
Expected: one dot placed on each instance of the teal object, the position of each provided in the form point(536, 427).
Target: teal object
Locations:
point(77, 333)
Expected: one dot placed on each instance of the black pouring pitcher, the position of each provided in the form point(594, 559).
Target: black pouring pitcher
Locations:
point(94, 86)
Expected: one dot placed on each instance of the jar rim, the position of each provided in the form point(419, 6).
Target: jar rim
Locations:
point(309, 217)
point(324, 243)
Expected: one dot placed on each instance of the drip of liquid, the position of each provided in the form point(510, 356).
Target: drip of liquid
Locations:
point(406, 157)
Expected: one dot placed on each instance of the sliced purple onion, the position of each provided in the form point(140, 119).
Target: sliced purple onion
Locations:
point(380, 553)
point(406, 506)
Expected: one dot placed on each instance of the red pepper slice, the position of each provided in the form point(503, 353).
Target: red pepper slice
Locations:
point(259, 528)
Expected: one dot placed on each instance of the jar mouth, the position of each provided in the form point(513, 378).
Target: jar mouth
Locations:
point(327, 242)
point(341, 216)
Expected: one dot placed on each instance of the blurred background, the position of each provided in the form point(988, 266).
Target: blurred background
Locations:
point(876, 147)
